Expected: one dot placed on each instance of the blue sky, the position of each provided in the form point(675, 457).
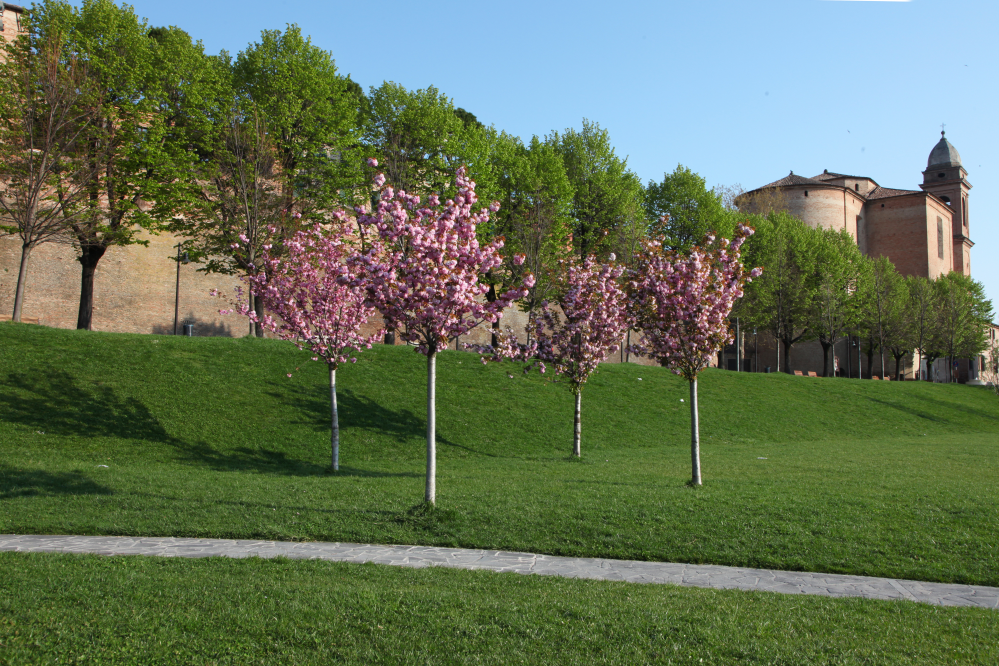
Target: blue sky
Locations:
point(739, 91)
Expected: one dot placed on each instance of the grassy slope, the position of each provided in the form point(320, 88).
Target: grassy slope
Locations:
point(208, 437)
point(130, 610)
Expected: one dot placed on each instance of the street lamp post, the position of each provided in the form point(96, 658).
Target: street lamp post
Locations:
point(176, 298)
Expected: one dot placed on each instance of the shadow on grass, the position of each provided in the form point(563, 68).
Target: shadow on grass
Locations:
point(354, 411)
point(33, 482)
point(57, 404)
point(942, 405)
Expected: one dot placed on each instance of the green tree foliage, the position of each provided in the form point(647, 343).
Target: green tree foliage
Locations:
point(606, 194)
point(144, 158)
point(922, 309)
point(312, 114)
point(838, 268)
point(964, 316)
point(420, 140)
point(46, 104)
point(781, 301)
point(535, 199)
point(883, 312)
point(682, 211)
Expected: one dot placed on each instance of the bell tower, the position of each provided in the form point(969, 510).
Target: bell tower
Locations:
point(946, 179)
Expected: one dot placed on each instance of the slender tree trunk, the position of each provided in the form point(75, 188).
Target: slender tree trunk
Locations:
point(695, 437)
point(334, 423)
point(431, 493)
point(577, 426)
point(825, 357)
point(490, 297)
point(89, 256)
point(22, 274)
point(787, 358)
point(258, 307)
point(870, 362)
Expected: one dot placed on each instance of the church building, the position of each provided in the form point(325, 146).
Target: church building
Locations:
point(923, 232)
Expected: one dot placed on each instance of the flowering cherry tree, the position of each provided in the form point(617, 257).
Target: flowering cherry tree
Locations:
point(422, 273)
point(586, 327)
point(681, 304)
point(308, 302)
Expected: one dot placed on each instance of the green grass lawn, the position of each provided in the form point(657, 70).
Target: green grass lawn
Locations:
point(143, 435)
point(209, 437)
point(131, 610)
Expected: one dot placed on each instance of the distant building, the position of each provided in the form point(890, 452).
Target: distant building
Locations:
point(924, 232)
point(10, 20)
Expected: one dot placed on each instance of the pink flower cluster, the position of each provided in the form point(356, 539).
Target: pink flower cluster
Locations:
point(588, 324)
point(423, 267)
point(681, 302)
point(306, 299)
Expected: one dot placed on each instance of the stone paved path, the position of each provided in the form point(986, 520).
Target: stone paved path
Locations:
point(696, 575)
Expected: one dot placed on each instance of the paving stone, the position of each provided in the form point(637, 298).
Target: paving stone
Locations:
point(696, 575)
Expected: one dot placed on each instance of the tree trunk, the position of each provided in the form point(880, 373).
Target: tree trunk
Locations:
point(491, 297)
point(258, 307)
point(431, 493)
point(577, 426)
point(787, 358)
point(22, 274)
point(89, 256)
point(334, 423)
point(825, 357)
point(695, 437)
point(870, 363)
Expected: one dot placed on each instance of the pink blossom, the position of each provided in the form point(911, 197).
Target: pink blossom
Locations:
point(372, 162)
point(682, 302)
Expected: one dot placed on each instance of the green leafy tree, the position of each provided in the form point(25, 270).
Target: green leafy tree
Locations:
point(922, 307)
point(420, 139)
point(964, 316)
point(535, 198)
point(682, 211)
point(606, 194)
point(144, 159)
point(781, 301)
point(312, 114)
point(882, 298)
point(46, 105)
point(838, 265)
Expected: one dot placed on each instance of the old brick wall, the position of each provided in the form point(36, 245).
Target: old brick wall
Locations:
point(904, 229)
point(134, 289)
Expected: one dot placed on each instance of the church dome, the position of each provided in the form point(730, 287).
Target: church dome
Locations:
point(944, 154)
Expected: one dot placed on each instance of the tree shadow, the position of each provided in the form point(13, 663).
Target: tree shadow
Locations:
point(354, 411)
point(55, 403)
point(942, 404)
point(16, 482)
